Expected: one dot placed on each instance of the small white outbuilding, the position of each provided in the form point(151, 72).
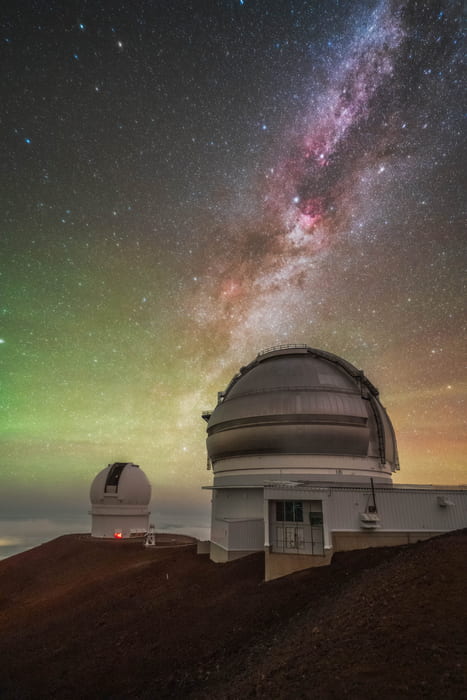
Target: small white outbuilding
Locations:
point(120, 496)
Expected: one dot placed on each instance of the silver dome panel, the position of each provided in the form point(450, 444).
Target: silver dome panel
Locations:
point(300, 400)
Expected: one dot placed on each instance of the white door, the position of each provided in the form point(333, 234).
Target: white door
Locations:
point(300, 537)
point(294, 538)
point(290, 538)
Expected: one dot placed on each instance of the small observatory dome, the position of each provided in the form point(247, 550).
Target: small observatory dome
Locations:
point(299, 412)
point(120, 496)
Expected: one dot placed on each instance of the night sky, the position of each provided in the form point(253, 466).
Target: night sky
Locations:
point(186, 183)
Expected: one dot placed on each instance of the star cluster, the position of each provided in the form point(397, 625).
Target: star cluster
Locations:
point(184, 184)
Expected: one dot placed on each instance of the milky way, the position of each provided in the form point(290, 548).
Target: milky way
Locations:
point(185, 186)
point(345, 135)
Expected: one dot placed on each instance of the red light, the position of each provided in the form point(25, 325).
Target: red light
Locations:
point(118, 535)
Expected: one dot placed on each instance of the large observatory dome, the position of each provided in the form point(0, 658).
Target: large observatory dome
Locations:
point(302, 410)
point(120, 496)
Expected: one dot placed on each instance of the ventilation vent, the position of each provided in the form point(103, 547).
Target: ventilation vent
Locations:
point(369, 520)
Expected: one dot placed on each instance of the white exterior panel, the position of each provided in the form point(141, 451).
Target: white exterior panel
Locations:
point(398, 509)
point(237, 519)
point(108, 525)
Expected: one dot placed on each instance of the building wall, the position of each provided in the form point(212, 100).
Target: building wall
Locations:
point(406, 514)
point(238, 503)
point(277, 565)
point(238, 535)
point(237, 519)
point(398, 509)
point(106, 525)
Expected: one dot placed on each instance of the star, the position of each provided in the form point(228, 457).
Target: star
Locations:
point(236, 178)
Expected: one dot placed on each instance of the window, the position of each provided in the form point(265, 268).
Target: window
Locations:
point(289, 511)
point(316, 519)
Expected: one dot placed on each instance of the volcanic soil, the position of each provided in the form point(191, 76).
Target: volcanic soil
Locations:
point(82, 618)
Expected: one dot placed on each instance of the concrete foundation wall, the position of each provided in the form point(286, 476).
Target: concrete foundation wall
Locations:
point(347, 541)
point(277, 565)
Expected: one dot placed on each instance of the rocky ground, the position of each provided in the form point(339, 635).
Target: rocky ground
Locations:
point(81, 618)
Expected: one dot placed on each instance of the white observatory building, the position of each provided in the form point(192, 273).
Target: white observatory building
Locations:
point(120, 496)
point(303, 453)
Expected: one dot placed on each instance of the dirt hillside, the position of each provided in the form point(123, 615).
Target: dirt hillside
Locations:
point(81, 618)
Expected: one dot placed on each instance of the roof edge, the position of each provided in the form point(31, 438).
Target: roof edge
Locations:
point(302, 349)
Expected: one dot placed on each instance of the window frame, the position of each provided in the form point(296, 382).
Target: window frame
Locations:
point(287, 508)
